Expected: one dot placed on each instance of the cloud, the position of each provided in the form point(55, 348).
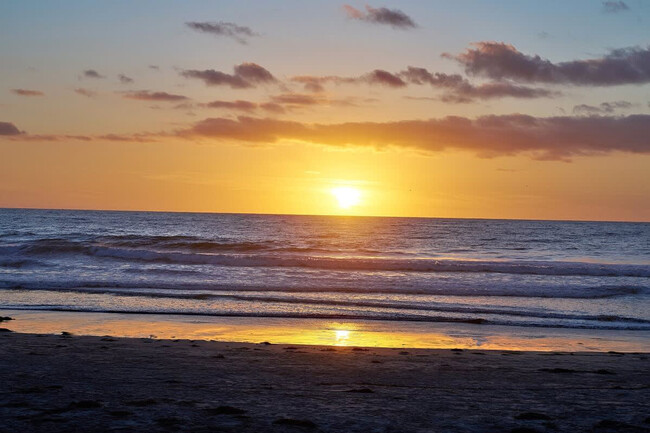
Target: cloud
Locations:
point(272, 107)
point(145, 95)
point(316, 84)
point(124, 79)
point(154, 67)
point(8, 128)
point(237, 105)
point(26, 92)
point(500, 61)
point(246, 75)
point(392, 17)
point(613, 7)
point(221, 28)
point(604, 108)
point(91, 73)
point(460, 90)
point(85, 92)
point(382, 77)
point(551, 138)
point(298, 99)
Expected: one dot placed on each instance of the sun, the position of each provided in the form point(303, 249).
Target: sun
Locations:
point(346, 196)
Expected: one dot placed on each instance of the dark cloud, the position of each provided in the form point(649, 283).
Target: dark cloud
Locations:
point(253, 73)
point(392, 17)
point(500, 61)
point(133, 138)
point(460, 90)
point(8, 128)
point(272, 107)
point(26, 92)
point(556, 138)
point(238, 105)
point(612, 7)
point(377, 77)
point(85, 92)
point(385, 78)
point(124, 79)
point(91, 73)
point(230, 30)
point(604, 108)
point(245, 76)
point(154, 67)
point(145, 95)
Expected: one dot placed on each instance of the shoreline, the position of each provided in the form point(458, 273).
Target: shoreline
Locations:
point(327, 332)
point(60, 383)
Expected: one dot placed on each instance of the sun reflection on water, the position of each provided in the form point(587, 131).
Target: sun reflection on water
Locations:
point(341, 337)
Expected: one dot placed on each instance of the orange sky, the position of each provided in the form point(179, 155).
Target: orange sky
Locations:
point(217, 118)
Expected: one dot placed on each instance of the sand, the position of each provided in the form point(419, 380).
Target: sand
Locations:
point(54, 383)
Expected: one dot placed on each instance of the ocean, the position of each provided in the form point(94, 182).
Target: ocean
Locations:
point(544, 274)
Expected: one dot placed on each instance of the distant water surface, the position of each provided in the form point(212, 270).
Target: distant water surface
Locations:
point(591, 275)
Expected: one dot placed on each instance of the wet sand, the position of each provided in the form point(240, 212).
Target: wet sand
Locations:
point(55, 383)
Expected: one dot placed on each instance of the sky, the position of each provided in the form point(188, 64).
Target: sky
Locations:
point(469, 109)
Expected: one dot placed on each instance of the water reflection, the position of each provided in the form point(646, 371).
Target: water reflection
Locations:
point(326, 332)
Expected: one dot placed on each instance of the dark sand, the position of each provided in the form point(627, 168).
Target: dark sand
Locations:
point(54, 383)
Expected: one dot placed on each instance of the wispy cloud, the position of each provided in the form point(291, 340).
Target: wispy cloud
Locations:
point(27, 92)
point(392, 17)
point(124, 79)
point(85, 92)
point(238, 105)
point(245, 75)
point(222, 28)
point(552, 138)
point(457, 88)
point(604, 108)
point(499, 61)
point(145, 95)
point(613, 7)
point(91, 73)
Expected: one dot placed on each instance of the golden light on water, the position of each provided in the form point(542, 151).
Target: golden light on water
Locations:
point(346, 196)
point(341, 337)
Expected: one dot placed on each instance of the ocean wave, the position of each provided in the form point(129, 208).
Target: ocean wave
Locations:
point(374, 304)
point(391, 317)
point(379, 263)
point(267, 254)
point(535, 291)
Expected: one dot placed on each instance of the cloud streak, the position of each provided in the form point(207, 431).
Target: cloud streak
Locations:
point(145, 95)
point(222, 28)
point(392, 17)
point(604, 108)
point(457, 88)
point(552, 138)
point(85, 92)
point(245, 75)
point(501, 61)
point(613, 7)
point(237, 105)
point(27, 92)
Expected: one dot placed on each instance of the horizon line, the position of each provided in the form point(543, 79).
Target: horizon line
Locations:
point(324, 215)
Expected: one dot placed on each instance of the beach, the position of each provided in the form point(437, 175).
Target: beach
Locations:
point(62, 383)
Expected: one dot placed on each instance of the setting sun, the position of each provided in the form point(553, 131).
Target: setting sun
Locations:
point(346, 196)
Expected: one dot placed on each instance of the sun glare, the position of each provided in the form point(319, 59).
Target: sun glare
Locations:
point(346, 196)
